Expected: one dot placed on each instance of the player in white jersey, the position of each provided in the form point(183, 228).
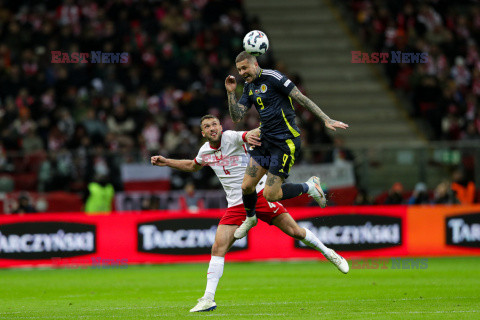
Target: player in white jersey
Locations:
point(226, 153)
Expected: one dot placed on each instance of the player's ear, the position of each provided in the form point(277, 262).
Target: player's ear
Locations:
point(203, 133)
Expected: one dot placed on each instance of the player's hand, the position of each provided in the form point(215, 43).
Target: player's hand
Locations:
point(158, 161)
point(332, 124)
point(253, 137)
point(230, 84)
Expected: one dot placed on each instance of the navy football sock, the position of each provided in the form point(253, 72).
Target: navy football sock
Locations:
point(249, 202)
point(292, 190)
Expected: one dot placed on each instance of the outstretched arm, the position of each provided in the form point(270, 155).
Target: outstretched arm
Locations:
point(237, 110)
point(299, 97)
point(183, 165)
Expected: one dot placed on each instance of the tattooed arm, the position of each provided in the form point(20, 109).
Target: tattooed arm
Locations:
point(299, 97)
point(237, 110)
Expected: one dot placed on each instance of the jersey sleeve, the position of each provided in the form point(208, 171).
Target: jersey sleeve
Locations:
point(237, 137)
point(200, 157)
point(283, 84)
point(244, 99)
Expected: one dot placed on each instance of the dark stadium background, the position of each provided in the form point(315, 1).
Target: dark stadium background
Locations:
point(62, 124)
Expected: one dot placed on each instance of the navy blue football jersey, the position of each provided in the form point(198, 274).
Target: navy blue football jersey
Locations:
point(269, 93)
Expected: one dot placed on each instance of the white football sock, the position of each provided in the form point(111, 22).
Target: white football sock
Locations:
point(312, 241)
point(215, 272)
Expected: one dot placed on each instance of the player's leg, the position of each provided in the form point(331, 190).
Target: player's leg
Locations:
point(253, 174)
point(223, 241)
point(289, 226)
point(283, 155)
point(276, 190)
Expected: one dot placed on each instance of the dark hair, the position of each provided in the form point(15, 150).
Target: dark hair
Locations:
point(245, 55)
point(207, 116)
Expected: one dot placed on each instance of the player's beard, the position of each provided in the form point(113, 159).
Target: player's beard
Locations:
point(217, 138)
point(251, 78)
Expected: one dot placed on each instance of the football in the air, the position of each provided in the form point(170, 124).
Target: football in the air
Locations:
point(255, 42)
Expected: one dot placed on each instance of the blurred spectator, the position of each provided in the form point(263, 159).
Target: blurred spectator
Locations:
point(46, 173)
point(395, 194)
point(24, 205)
point(151, 133)
point(190, 200)
point(31, 143)
point(362, 198)
point(419, 195)
point(56, 171)
point(99, 196)
point(444, 194)
point(339, 153)
point(120, 122)
point(96, 129)
point(6, 184)
point(5, 164)
point(463, 188)
point(150, 203)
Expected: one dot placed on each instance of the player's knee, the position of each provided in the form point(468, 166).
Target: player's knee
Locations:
point(271, 195)
point(293, 232)
point(219, 250)
point(247, 188)
point(298, 233)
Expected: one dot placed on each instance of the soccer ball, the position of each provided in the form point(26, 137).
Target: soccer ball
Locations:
point(255, 43)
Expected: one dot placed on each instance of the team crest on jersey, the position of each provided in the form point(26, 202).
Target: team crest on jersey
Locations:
point(263, 88)
point(257, 91)
point(218, 154)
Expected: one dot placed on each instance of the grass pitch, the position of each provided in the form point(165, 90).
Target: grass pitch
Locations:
point(448, 289)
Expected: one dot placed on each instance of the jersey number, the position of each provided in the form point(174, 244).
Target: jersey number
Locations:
point(273, 205)
point(225, 170)
point(260, 103)
point(285, 158)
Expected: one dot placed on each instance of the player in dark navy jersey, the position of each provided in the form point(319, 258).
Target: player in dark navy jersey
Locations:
point(272, 93)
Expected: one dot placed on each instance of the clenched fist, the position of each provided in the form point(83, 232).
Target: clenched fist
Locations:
point(158, 161)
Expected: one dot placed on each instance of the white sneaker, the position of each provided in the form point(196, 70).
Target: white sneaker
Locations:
point(247, 224)
point(204, 304)
point(315, 191)
point(338, 261)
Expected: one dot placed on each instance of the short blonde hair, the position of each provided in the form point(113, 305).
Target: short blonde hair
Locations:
point(245, 55)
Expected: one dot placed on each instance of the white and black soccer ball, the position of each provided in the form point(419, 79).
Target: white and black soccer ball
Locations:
point(255, 42)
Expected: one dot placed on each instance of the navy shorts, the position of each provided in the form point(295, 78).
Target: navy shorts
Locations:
point(277, 156)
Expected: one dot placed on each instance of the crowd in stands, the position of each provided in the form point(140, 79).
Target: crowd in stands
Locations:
point(444, 91)
point(179, 53)
point(67, 123)
point(459, 189)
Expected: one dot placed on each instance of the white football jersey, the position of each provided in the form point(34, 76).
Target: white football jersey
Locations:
point(229, 162)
